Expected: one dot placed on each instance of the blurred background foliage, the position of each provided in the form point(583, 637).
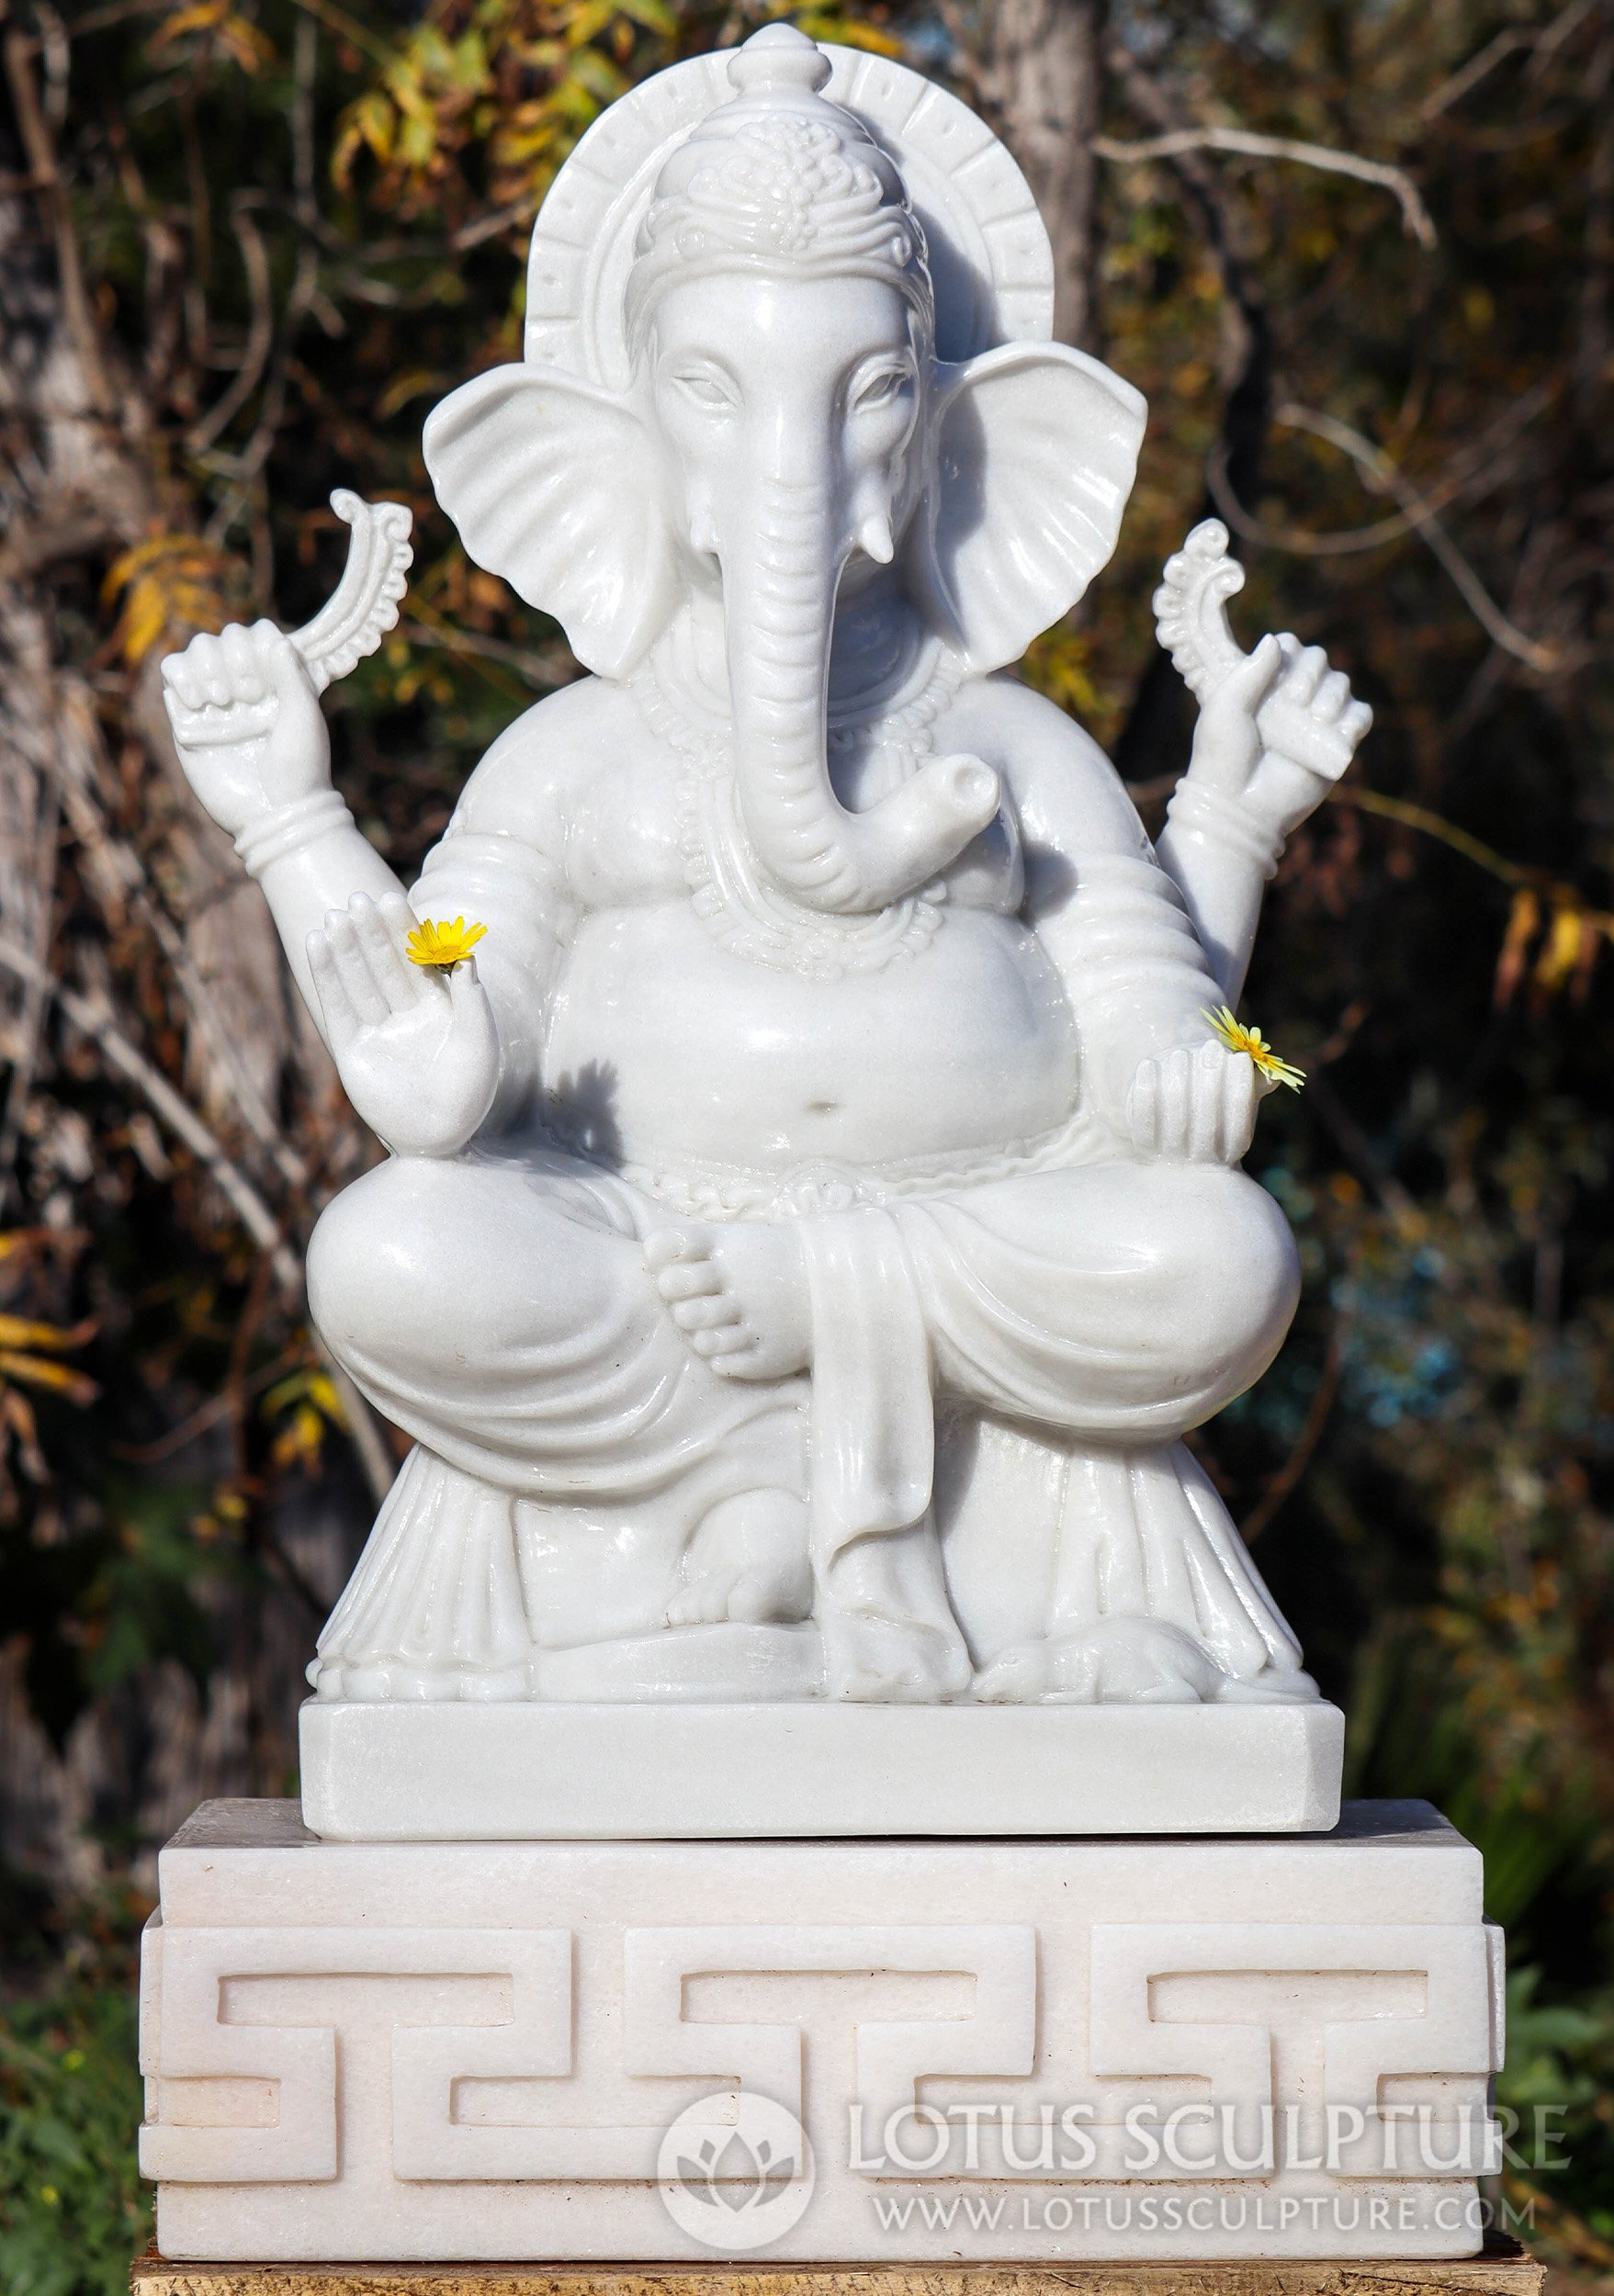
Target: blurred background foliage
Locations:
point(1361, 261)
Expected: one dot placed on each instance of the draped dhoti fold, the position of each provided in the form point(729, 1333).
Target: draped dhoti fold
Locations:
point(988, 1442)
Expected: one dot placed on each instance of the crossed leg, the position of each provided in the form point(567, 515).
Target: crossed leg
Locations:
point(1116, 1305)
point(501, 1313)
point(1118, 1301)
point(1109, 1299)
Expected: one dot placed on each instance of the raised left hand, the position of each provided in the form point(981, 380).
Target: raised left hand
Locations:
point(247, 723)
point(1278, 732)
point(1195, 1107)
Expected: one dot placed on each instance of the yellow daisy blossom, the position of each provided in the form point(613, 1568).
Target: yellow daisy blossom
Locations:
point(445, 944)
point(1238, 1038)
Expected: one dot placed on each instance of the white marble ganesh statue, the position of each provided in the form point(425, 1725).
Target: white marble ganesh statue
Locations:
point(813, 1218)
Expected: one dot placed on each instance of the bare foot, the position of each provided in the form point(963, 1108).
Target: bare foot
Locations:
point(738, 1293)
point(747, 1561)
point(1125, 1662)
point(893, 1662)
point(877, 1653)
point(1273, 1686)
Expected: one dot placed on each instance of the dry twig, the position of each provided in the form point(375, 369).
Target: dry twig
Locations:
point(172, 1110)
point(1416, 216)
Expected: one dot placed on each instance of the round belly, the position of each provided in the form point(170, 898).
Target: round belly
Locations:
point(664, 1047)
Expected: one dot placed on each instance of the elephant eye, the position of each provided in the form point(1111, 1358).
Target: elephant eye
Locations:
point(707, 388)
point(880, 389)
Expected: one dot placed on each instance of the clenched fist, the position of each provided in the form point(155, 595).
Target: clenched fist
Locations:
point(248, 725)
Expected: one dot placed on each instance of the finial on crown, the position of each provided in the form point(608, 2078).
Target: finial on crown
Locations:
point(780, 59)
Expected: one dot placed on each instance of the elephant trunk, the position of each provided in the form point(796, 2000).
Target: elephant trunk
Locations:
point(779, 603)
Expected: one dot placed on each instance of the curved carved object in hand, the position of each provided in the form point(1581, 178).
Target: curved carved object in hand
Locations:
point(364, 605)
point(1190, 622)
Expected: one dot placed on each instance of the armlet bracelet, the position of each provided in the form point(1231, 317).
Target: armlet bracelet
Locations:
point(286, 828)
point(1198, 806)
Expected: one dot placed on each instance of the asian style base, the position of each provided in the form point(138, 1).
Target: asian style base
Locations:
point(888, 2051)
point(547, 1770)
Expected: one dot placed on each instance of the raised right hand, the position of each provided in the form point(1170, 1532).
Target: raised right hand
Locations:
point(247, 724)
point(417, 1050)
point(1233, 743)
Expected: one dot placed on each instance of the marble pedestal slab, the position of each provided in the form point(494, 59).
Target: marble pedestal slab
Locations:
point(543, 1771)
point(1031, 2050)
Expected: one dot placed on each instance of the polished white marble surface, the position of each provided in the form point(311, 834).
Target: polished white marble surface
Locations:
point(814, 1208)
point(466, 1772)
point(1030, 2049)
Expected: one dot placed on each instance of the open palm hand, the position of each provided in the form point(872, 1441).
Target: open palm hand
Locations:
point(417, 1048)
point(1195, 1107)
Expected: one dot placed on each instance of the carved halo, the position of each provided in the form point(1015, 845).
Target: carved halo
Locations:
point(990, 253)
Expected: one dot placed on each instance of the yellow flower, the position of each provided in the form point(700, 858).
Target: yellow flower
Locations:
point(1238, 1038)
point(445, 944)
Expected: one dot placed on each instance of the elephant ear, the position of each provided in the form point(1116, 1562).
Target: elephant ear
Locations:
point(1036, 450)
point(548, 481)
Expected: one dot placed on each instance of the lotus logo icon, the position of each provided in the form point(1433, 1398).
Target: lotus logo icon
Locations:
point(736, 2184)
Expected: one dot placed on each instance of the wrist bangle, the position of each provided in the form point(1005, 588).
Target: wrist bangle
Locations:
point(286, 828)
point(1196, 805)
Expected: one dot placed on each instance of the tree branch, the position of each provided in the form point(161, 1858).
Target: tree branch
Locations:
point(1482, 466)
point(172, 1110)
point(1246, 363)
point(260, 338)
point(1383, 478)
point(40, 149)
point(1300, 1457)
point(1414, 214)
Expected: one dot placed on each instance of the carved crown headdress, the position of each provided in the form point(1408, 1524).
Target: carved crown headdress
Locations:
point(851, 141)
point(776, 177)
point(786, 153)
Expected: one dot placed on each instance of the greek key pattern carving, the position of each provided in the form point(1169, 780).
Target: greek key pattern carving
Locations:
point(1455, 2031)
point(1216, 2019)
point(190, 2040)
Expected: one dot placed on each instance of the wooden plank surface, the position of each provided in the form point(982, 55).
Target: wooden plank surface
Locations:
point(1505, 2269)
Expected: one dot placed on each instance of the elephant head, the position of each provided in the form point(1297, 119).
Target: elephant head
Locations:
point(789, 433)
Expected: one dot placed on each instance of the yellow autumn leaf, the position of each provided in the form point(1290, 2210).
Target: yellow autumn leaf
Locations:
point(204, 17)
point(366, 126)
point(1560, 951)
point(300, 1440)
point(413, 384)
point(244, 41)
point(16, 1331)
point(653, 16)
point(170, 582)
point(240, 38)
point(847, 32)
point(37, 1372)
point(145, 618)
point(1524, 922)
point(586, 23)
